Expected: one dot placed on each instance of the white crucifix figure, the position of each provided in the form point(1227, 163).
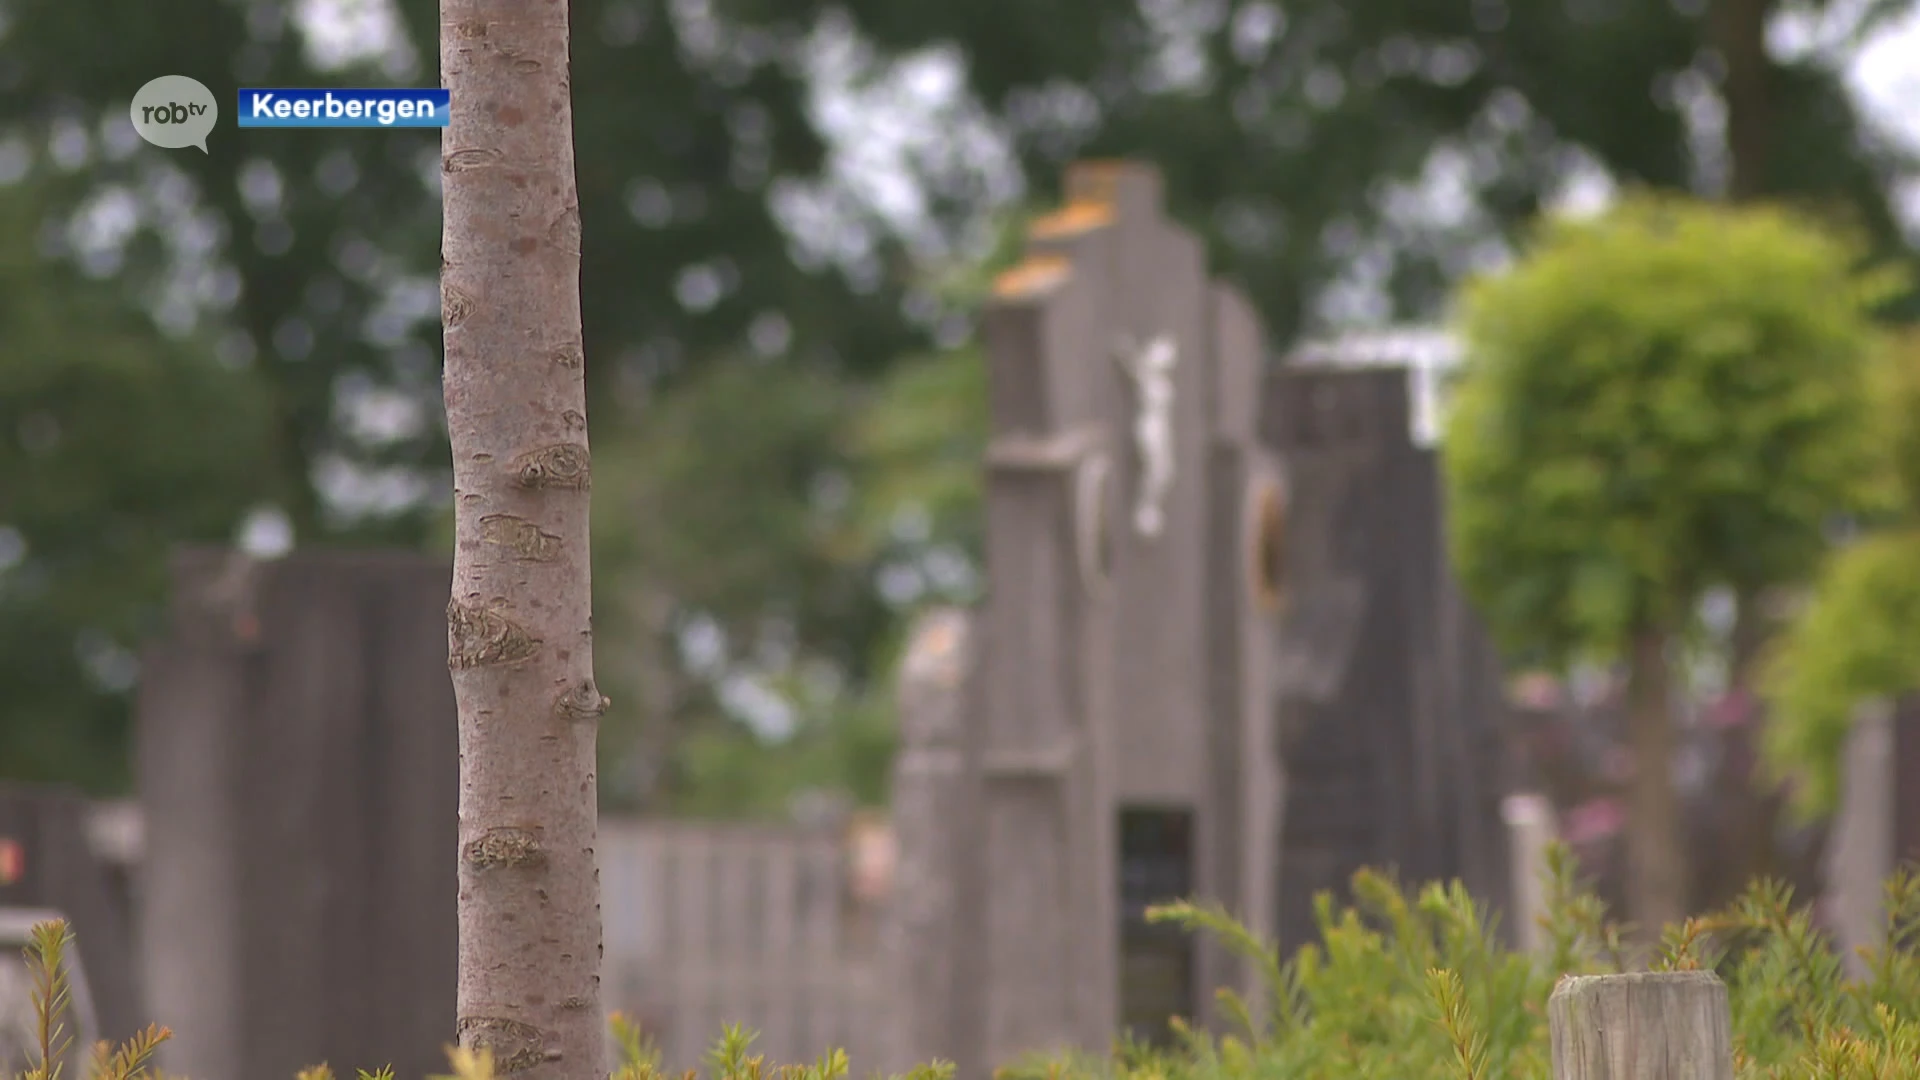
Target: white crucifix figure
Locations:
point(1150, 366)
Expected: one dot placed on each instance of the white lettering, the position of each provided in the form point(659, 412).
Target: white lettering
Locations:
point(332, 105)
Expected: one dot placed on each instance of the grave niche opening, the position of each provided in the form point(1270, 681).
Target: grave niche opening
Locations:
point(1156, 959)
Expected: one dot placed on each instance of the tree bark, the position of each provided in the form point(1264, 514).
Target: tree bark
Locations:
point(519, 621)
point(1656, 864)
point(1756, 817)
point(1752, 629)
point(1738, 32)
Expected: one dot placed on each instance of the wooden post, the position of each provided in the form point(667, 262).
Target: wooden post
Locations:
point(1658, 1026)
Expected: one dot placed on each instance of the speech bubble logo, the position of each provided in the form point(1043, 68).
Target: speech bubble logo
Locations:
point(174, 111)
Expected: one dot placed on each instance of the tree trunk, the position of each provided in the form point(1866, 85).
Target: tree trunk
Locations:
point(1757, 817)
point(659, 691)
point(519, 622)
point(1752, 629)
point(1738, 31)
point(1656, 863)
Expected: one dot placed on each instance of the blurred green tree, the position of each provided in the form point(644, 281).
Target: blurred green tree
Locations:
point(307, 259)
point(1656, 403)
point(719, 220)
point(762, 539)
point(1294, 133)
point(311, 254)
point(763, 511)
point(116, 444)
point(1855, 638)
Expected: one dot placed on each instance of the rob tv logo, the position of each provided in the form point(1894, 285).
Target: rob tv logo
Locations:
point(174, 111)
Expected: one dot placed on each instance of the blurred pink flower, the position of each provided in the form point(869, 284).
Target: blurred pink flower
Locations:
point(1595, 819)
point(1731, 710)
point(1535, 691)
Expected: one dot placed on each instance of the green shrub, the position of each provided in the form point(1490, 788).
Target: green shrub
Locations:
point(1402, 986)
point(1418, 987)
point(1850, 643)
point(730, 1059)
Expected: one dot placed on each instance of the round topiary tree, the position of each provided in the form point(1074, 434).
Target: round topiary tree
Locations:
point(1656, 403)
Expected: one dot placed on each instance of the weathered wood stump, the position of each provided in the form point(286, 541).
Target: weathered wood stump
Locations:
point(1652, 1026)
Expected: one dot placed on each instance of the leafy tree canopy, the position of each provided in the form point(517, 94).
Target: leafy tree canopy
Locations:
point(1343, 161)
point(1656, 402)
point(1854, 640)
point(116, 444)
point(1294, 134)
point(763, 506)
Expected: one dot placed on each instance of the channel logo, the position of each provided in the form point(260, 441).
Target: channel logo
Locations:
point(344, 108)
point(174, 111)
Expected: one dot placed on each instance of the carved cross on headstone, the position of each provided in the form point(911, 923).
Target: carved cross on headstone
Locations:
point(1150, 366)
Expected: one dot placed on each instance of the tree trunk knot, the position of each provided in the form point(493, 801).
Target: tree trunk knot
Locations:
point(480, 637)
point(563, 465)
point(516, 1046)
point(507, 847)
point(527, 541)
point(582, 703)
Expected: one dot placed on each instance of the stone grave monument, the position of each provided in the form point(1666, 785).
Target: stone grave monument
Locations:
point(1391, 696)
point(1101, 728)
point(298, 769)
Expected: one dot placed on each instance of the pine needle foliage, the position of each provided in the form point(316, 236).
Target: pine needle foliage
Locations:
point(1403, 984)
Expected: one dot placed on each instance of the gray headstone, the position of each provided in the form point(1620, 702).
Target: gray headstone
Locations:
point(298, 764)
point(1392, 695)
point(1124, 650)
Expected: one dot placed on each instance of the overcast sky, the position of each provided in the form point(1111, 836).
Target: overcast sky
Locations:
point(1886, 76)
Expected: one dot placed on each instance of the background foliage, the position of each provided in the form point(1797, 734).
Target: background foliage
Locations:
point(119, 442)
point(744, 214)
point(1853, 640)
point(1654, 403)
